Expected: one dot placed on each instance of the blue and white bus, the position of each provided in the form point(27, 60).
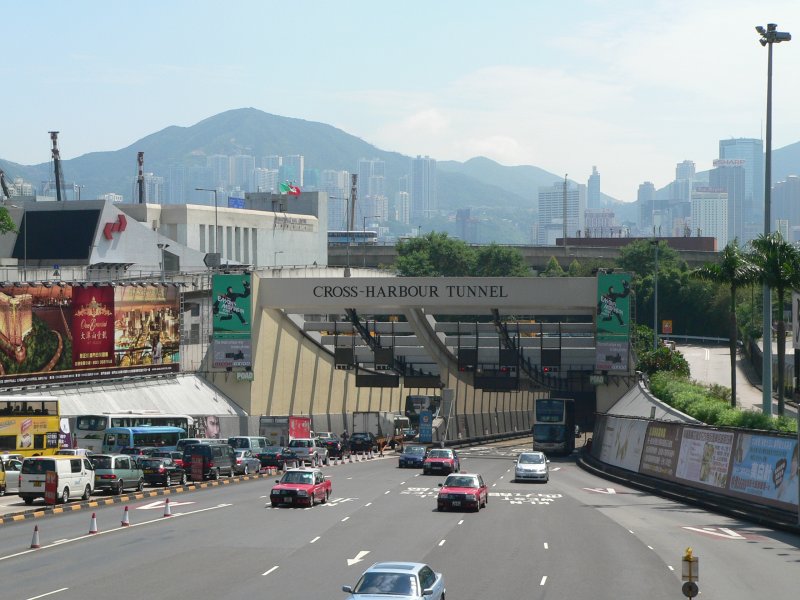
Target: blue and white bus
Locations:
point(554, 425)
point(161, 437)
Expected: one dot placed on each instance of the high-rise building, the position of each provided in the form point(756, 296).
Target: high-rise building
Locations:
point(241, 171)
point(551, 211)
point(731, 180)
point(292, 169)
point(646, 198)
point(337, 185)
point(176, 185)
point(466, 226)
point(271, 162)
point(786, 202)
point(220, 170)
point(402, 207)
point(684, 178)
point(424, 204)
point(593, 190)
point(372, 199)
point(751, 152)
point(265, 180)
point(710, 215)
point(600, 222)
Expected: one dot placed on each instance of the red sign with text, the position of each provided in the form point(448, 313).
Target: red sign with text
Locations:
point(50, 487)
point(93, 327)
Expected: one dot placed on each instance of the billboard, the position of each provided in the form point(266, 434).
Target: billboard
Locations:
point(232, 314)
point(61, 334)
point(613, 321)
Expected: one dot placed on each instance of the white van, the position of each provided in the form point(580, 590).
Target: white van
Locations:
point(248, 442)
point(75, 477)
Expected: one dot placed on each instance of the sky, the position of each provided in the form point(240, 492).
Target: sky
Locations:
point(632, 87)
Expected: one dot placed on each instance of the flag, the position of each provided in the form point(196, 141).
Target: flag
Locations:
point(288, 188)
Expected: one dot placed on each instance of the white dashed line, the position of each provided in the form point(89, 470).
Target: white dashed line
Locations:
point(314, 540)
point(275, 568)
point(442, 543)
point(47, 594)
point(544, 579)
point(345, 519)
point(461, 521)
point(546, 546)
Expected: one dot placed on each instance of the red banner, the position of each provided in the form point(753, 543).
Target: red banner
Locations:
point(50, 487)
point(299, 427)
point(93, 327)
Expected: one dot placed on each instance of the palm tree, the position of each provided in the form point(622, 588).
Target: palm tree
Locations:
point(778, 265)
point(735, 270)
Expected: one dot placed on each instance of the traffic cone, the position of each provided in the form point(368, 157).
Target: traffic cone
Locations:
point(35, 540)
point(93, 525)
point(125, 520)
point(167, 509)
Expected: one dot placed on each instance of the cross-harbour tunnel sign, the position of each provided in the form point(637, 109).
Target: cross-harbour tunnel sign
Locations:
point(542, 295)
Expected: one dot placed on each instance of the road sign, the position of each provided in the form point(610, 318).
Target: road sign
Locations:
point(690, 589)
point(666, 326)
point(691, 567)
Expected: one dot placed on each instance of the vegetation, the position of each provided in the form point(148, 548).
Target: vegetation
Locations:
point(437, 255)
point(711, 404)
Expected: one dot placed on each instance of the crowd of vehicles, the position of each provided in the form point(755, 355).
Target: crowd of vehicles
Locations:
point(90, 430)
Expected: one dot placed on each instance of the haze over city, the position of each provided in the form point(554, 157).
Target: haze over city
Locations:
point(633, 88)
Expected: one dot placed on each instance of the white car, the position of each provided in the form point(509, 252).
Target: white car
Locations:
point(400, 581)
point(532, 466)
point(13, 467)
point(309, 450)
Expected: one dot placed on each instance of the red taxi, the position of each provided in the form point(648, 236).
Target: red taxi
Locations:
point(463, 490)
point(441, 460)
point(301, 487)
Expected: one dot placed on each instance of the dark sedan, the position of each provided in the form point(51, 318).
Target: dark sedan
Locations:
point(278, 456)
point(333, 444)
point(162, 471)
point(413, 456)
point(363, 442)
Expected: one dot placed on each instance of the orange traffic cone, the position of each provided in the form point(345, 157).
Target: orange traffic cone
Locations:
point(167, 509)
point(93, 525)
point(125, 520)
point(35, 540)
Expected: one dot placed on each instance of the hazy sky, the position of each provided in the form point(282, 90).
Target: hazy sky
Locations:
point(632, 86)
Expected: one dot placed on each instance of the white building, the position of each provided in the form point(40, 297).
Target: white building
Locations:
point(552, 201)
point(710, 214)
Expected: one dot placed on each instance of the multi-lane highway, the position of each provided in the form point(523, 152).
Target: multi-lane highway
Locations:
point(575, 537)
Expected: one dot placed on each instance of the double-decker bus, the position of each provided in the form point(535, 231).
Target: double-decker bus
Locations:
point(29, 425)
point(554, 425)
point(90, 429)
point(163, 438)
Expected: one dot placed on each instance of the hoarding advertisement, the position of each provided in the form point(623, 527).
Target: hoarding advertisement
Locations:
point(232, 353)
point(54, 334)
point(231, 305)
point(613, 322)
point(611, 355)
point(766, 467)
point(704, 457)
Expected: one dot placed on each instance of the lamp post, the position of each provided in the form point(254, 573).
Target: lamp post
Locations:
point(655, 297)
point(565, 213)
point(216, 219)
point(364, 238)
point(769, 36)
point(275, 257)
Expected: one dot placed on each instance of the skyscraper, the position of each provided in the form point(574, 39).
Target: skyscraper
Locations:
point(551, 211)
point(751, 151)
point(730, 178)
point(241, 171)
point(292, 169)
point(593, 190)
point(710, 215)
point(646, 198)
point(424, 204)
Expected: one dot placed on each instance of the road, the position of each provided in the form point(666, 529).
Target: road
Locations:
point(575, 537)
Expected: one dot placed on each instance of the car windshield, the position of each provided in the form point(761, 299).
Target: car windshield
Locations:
point(461, 481)
point(531, 459)
point(300, 444)
point(414, 450)
point(101, 462)
point(271, 450)
point(392, 584)
point(440, 454)
point(297, 477)
point(151, 463)
point(38, 466)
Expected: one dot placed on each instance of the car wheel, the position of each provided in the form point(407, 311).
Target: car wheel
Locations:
point(3, 491)
point(215, 474)
point(183, 479)
point(327, 496)
point(313, 500)
point(327, 460)
point(28, 501)
point(87, 492)
point(274, 505)
point(168, 482)
point(118, 490)
point(246, 470)
point(65, 495)
point(140, 486)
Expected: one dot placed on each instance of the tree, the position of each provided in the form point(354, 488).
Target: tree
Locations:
point(639, 257)
point(6, 223)
point(500, 261)
point(575, 269)
point(777, 264)
point(734, 269)
point(434, 255)
point(553, 269)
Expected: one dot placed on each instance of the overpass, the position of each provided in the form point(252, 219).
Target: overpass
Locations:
point(536, 257)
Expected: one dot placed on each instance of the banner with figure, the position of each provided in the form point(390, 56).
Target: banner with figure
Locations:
point(613, 321)
point(231, 305)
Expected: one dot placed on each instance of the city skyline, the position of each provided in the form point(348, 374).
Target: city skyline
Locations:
point(631, 89)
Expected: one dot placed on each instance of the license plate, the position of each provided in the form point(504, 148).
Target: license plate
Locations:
point(37, 484)
point(147, 471)
point(456, 503)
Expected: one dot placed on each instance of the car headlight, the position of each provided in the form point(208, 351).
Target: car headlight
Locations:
point(470, 498)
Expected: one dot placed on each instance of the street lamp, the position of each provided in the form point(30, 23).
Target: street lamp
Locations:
point(769, 36)
point(275, 257)
point(216, 220)
point(364, 238)
point(655, 298)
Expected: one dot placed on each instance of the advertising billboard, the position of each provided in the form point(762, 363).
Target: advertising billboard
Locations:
point(60, 334)
point(232, 314)
point(613, 321)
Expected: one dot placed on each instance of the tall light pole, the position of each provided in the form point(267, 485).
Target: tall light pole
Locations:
point(655, 298)
point(565, 213)
point(364, 238)
point(216, 219)
point(769, 36)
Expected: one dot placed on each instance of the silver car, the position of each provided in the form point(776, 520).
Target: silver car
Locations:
point(13, 467)
point(310, 450)
point(532, 466)
point(400, 580)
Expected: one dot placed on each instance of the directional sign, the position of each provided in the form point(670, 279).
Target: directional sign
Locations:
point(160, 504)
point(721, 532)
point(359, 557)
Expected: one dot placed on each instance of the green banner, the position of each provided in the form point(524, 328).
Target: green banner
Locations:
point(231, 306)
point(613, 305)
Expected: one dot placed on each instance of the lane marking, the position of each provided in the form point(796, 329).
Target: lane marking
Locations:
point(358, 558)
point(314, 540)
point(48, 594)
point(275, 568)
point(546, 546)
point(544, 579)
point(345, 519)
point(442, 542)
point(670, 567)
point(461, 521)
point(723, 532)
point(387, 492)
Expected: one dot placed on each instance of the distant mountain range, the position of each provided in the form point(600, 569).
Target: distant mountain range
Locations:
point(502, 199)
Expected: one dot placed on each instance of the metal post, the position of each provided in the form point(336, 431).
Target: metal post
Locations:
point(766, 366)
point(655, 299)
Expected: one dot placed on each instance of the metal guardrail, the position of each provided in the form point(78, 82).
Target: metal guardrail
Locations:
point(690, 338)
